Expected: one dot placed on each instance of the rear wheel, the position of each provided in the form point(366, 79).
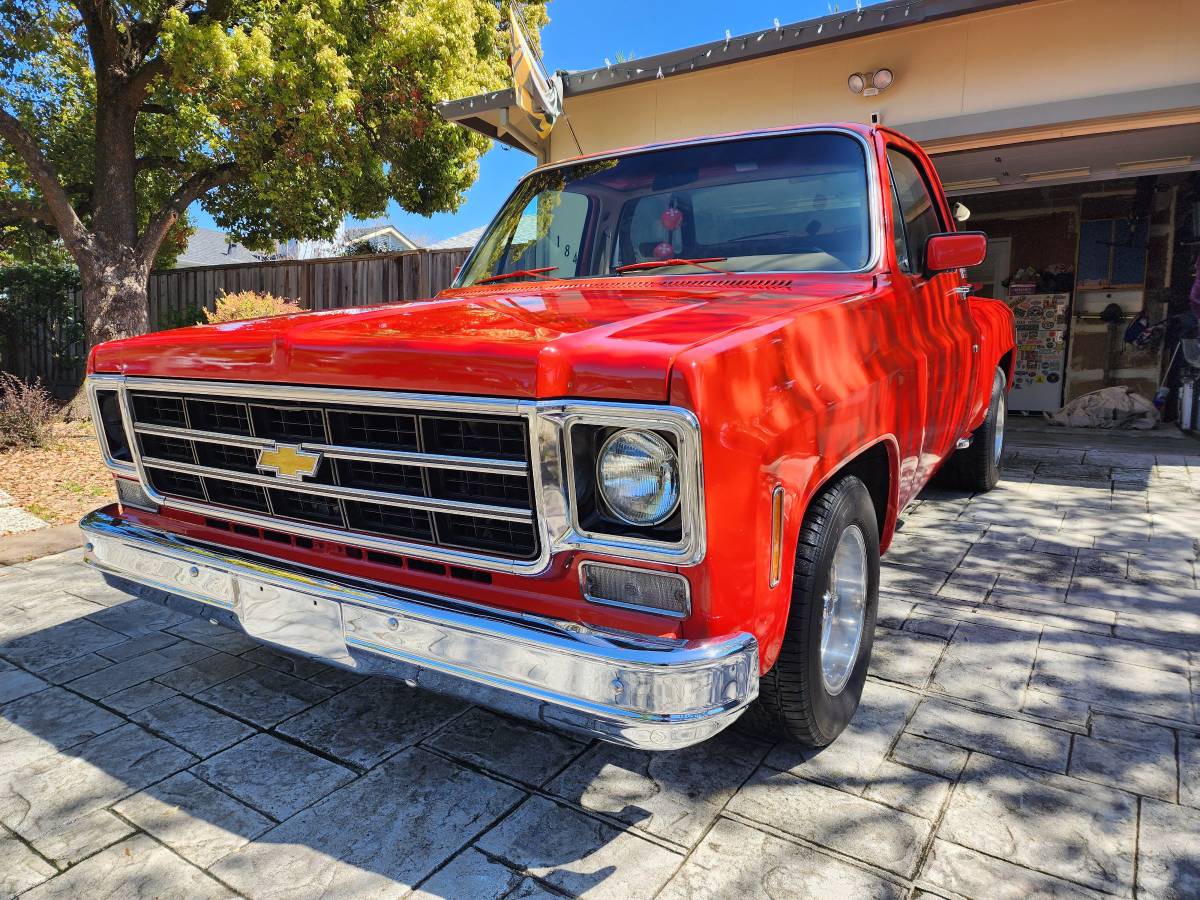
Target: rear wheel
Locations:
point(977, 468)
point(811, 693)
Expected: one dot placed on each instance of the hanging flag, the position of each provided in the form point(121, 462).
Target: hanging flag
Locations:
point(537, 97)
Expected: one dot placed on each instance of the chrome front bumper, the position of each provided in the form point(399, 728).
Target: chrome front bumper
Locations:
point(641, 691)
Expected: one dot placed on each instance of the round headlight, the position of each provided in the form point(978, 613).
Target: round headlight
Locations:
point(638, 475)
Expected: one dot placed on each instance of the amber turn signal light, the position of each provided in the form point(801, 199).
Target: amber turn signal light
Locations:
point(776, 536)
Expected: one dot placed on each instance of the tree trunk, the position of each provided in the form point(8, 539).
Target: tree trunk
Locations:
point(114, 297)
point(114, 306)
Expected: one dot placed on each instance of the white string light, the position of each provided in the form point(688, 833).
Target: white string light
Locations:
point(835, 16)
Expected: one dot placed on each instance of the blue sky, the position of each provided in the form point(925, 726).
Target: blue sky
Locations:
point(580, 35)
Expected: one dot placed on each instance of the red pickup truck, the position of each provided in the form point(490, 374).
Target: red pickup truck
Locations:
point(631, 474)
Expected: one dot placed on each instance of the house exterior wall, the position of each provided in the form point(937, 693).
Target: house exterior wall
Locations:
point(1009, 59)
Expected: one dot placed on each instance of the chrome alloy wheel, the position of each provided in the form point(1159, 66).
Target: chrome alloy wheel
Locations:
point(844, 610)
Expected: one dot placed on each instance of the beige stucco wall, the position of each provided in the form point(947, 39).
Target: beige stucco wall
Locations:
point(1021, 56)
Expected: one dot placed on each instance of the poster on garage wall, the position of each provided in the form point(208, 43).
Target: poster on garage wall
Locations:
point(1041, 359)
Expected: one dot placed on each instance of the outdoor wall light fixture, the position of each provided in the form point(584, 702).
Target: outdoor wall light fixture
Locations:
point(870, 84)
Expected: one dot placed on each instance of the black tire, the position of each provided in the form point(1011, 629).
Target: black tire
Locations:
point(793, 700)
point(977, 468)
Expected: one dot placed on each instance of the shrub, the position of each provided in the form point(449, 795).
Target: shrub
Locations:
point(181, 318)
point(27, 412)
point(250, 305)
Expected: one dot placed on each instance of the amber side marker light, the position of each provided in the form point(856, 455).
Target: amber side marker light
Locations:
point(776, 536)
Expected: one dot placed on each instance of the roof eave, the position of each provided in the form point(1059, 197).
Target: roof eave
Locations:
point(488, 114)
point(829, 29)
point(483, 112)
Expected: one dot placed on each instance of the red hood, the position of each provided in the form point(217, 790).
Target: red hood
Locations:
point(612, 340)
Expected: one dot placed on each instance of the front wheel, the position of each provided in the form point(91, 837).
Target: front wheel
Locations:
point(977, 468)
point(812, 692)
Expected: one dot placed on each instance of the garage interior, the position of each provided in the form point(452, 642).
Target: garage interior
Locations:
point(1093, 242)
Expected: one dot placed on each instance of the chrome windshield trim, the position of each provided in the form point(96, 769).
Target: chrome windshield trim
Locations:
point(553, 517)
point(345, 451)
point(502, 513)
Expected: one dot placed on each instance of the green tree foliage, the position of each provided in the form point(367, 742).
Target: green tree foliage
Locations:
point(279, 116)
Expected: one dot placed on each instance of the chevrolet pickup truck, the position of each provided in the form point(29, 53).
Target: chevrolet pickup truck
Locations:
point(630, 475)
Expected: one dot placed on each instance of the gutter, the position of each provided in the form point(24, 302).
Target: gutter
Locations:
point(829, 29)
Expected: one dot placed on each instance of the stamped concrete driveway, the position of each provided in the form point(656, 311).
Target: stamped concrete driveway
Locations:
point(1030, 728)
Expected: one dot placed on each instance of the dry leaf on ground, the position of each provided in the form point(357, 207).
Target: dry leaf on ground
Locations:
point(62, 480)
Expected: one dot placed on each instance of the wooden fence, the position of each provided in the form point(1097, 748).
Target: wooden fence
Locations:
point(177, 295)
point(46, 350)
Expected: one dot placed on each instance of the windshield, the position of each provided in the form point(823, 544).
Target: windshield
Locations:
point(785, 203)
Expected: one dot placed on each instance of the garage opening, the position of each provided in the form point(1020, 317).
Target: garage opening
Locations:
point(1093, 244)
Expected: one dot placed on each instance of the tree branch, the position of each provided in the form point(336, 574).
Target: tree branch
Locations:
point(147, 34)
point(18, 209)
point(190, 191)
point(99, 22)
point(72, 231)
point(215, 11)
point(143, 163)
point(140, 81)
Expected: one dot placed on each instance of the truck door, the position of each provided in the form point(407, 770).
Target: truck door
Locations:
point(942, 330)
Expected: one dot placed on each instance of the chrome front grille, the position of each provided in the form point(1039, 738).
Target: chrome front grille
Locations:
point(481, 482)
point(450, 479)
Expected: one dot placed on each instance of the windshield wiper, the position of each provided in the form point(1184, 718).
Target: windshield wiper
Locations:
point(659, 263)
point(762, 234)
point(519, 273)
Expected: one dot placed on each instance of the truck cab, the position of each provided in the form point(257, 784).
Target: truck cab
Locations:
point(631, 474)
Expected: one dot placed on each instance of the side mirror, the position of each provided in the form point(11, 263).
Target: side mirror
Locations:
point(955, 250)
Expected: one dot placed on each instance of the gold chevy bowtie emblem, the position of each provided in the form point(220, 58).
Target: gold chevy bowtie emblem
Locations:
point(288, 461)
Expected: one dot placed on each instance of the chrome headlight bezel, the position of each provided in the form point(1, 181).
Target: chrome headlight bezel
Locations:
point(680, 540)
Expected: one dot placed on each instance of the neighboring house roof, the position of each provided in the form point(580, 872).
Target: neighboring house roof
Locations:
point(466, 240)
point(209, 247)
point(378, 232)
